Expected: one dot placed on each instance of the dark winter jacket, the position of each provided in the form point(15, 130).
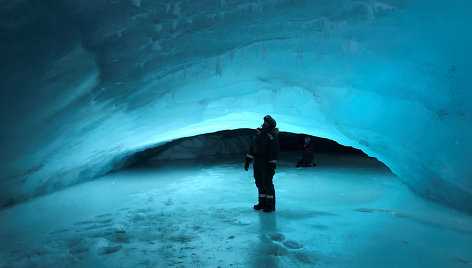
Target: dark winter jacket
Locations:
point(265, 145)
point(309, 151)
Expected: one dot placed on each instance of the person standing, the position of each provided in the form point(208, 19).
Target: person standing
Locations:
point(264, 150)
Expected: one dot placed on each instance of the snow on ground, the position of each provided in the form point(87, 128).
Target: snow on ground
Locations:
point(346, 212)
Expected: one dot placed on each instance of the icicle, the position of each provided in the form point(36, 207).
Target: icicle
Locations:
point(218, 66)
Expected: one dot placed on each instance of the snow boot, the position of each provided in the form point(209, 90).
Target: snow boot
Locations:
point(269, 205)
point(261, 203)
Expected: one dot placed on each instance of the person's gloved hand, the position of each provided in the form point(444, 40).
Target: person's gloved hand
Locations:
point(246, 166)
point(272, 165)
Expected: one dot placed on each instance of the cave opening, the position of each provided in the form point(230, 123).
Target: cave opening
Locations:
point(234, 144)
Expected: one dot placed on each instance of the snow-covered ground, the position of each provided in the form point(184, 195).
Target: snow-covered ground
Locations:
point(346, 212)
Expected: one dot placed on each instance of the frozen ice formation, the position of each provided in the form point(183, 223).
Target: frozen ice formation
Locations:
point(87, 83)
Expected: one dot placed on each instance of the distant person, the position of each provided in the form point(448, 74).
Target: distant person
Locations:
point(308, 152)
point(264, 150)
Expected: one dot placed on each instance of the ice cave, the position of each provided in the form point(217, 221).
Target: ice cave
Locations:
point(125, 125)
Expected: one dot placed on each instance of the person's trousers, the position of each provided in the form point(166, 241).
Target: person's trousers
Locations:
point(263, 176)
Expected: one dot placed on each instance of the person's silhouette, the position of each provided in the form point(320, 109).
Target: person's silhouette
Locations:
point(264, 150)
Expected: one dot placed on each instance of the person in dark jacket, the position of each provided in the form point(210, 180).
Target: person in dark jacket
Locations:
point(308, 154)
point(264, 150)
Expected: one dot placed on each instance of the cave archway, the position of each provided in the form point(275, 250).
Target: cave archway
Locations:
point(90, 87)
point(115, 80)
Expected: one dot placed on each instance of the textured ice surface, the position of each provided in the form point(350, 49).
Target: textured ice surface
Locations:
point(347, 212)
point(86, 83)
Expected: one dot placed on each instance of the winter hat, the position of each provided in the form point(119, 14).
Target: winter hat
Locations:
point(270, 120)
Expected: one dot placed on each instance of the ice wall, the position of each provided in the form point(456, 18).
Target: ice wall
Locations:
point(87, 83)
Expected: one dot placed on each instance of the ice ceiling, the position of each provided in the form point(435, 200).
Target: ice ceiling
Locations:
point(86, 83)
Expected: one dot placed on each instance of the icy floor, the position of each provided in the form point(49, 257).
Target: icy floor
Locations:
point(347, 212)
